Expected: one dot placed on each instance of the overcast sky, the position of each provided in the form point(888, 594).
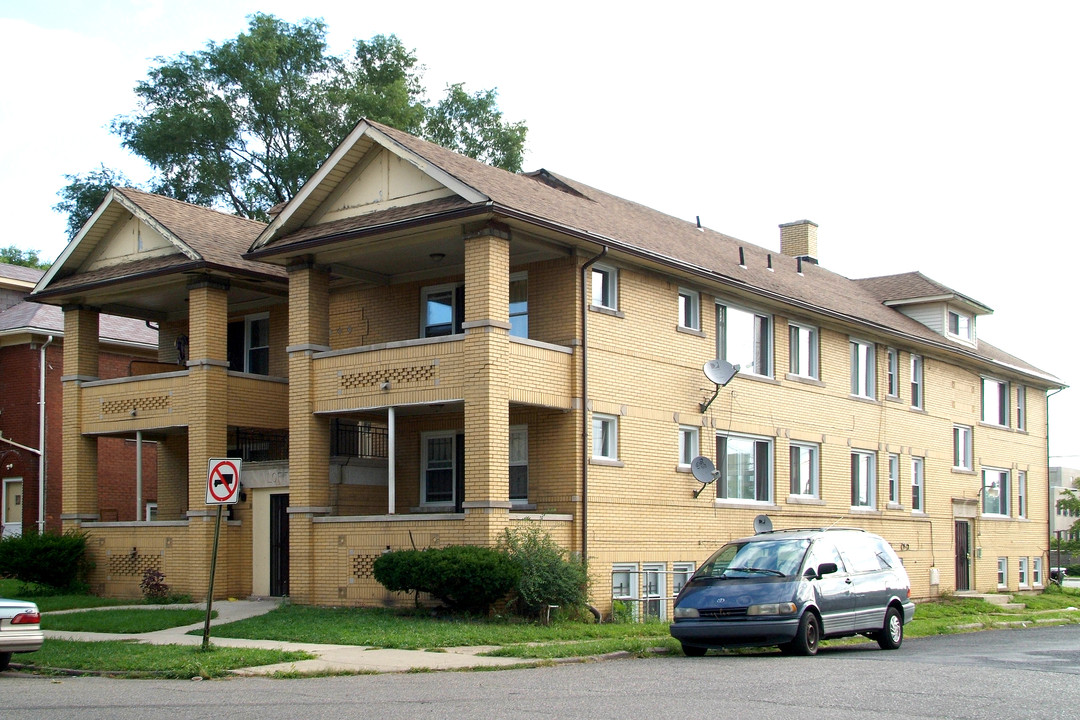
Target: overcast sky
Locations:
point(932, 136)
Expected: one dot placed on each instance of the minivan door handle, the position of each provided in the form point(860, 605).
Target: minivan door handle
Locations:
point(847, 580)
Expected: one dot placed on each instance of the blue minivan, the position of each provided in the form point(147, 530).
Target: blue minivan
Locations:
point(792, 589)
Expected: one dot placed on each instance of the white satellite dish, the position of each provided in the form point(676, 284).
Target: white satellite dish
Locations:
point(762, 524)
point(720, 372)
point(704, 472)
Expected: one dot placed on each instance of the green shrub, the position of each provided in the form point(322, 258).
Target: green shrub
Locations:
point(466, 578)
point(548, 575)
point(53, 560)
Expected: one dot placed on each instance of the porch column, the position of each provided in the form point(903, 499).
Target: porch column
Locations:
point(309, 435)
point(208, 395)
point(487, 393)
point(80, 500)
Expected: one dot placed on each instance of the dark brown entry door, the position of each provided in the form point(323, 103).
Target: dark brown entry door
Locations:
point(963, 555)
point(279, 545)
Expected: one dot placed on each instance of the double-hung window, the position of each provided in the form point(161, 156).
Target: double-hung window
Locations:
point(1036, 571)
point(894, 478)
point(1023, 566)
point(863, 478)
point(248, 342)
point(519, 464)
point(892, 356)
point(863, 369)
point(803, 350)
point(918, 485)
point(1002, 572)
point(1021, 494)
point(916, 381)
point(605, 440)
point(960, 325)
point(745, 468)
point(804, 469)
point(519, 305)
point(688, 445)
point(1021, 407)
point(442, 309)
point(961, 447)
point(744, 338)
point(995, 402)
point(689, 309)
point(605, 287)
point(995, 491)
point(439, 468)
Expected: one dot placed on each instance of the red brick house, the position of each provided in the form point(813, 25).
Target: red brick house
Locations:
point(31, 346)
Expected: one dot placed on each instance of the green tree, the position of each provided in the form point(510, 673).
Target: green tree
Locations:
point(27, 258)
point(83, 193)
point(243, 124)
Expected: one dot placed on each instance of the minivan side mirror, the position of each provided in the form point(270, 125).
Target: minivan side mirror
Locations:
point(826, 568)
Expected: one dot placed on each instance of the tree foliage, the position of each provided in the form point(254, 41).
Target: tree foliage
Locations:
point(83, 193)
point(27, 258)
point(243, 124)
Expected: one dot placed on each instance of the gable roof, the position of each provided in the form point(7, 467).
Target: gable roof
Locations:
point(204, 239)
point(633, 230)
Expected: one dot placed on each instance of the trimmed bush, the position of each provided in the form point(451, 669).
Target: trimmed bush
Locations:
point(466, 578)
point(52, 560)
point(548, 576)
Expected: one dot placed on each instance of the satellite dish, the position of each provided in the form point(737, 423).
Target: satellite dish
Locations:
point(762, 524)
point(720, 371)
point(704, 472)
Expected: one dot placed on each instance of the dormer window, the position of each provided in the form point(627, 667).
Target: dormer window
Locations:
point(960, 325)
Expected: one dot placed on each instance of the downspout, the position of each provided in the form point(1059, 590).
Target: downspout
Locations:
point(1051, 510)
point(41, 439)
point(585, 450)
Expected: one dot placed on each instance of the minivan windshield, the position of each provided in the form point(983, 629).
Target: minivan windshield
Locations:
point(778, 558)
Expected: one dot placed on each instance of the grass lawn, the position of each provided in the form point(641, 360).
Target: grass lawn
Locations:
point(132, 659)
point(48, 601)
point(123, 621)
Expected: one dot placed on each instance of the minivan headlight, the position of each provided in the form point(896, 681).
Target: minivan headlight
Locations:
point(771, 609)
point(682, 613)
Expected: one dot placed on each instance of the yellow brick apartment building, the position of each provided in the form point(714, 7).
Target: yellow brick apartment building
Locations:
point(421, 350)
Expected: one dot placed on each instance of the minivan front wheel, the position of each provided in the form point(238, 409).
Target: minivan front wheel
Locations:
point(693, 650)
point(807, 638)
point(892, 634)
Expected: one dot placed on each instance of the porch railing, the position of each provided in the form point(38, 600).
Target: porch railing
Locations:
point(351, 439)
point(256, 445)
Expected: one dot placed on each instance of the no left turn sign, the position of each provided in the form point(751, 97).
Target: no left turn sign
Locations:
point(223, 481)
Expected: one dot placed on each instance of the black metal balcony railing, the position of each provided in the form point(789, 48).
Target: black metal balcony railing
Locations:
point(352, 439)
point(254, 445)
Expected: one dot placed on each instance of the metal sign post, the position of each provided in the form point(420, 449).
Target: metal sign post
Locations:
point(222, 488)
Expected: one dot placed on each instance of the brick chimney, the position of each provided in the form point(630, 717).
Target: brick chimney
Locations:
point(799, 239)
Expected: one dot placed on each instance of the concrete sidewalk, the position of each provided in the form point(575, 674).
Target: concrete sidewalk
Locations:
point(329, 658)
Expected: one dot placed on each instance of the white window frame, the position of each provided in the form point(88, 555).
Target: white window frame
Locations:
point(809, 459)
point(424, 469)
point(1003, 572)
point(863, 476)
point(863, 369)
point(427, 292)
point(804, 351)
point(996, 411)
point(519, 329)
point(918, 387)
point(601, 421)
point(654, 590)
point(962, 447)
point(689, 445)
point(760, 345)
point(689, 309)
point(722, 465)
point(918, 484)
point(894, 478)
point(1000, 478)
point(681, 572)
point(1036, 571)
point(1021, 494)
point(605, 286)
point(1021, 407)
point(629, 593)
point(892, 372)
point(522, 433)
point(150, 512)
point(1022, 567)
point(963, 329)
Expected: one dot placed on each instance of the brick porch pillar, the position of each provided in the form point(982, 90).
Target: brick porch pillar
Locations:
point(80, 460)
point(487, 393)
point(309, 435)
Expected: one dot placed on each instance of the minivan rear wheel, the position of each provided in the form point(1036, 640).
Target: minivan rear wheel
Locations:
point(807, 638)
point(892, 634)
